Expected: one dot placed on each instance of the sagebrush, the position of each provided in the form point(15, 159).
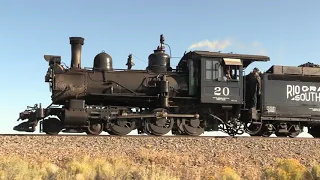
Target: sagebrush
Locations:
point(147, 165)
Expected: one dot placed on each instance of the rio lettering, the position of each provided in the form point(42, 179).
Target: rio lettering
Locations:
point(303, 93)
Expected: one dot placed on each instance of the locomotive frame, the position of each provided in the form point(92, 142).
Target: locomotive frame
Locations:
point(193, 98)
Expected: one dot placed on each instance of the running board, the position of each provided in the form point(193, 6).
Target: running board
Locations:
point(155, 115)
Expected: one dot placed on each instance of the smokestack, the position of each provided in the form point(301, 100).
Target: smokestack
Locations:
point(76, 47)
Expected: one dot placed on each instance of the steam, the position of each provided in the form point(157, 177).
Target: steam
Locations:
point(211, 46)
point(254, 47)
point(258, 48)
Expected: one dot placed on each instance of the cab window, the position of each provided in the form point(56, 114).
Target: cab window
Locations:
point(213, 70)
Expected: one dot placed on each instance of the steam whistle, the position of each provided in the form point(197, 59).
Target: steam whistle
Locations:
point(161, 39)
point(161, 46)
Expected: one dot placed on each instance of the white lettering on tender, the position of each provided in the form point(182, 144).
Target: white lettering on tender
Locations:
point(225, 91)
point(303, 93)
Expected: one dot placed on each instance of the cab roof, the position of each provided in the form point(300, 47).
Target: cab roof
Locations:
point(247, 59)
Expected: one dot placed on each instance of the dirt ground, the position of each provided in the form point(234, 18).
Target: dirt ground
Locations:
point(248, 156)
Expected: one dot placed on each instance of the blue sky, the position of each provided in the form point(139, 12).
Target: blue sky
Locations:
point(287, 31)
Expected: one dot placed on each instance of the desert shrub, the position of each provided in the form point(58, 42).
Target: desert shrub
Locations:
point(315, 172)
point(17, 168)
point(148, 166)
point(287, 169)
point(84, 168)
point(227, 173)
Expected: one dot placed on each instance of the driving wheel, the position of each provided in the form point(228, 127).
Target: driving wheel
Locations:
point(158, 126)
point(121, 127)
point(192, 127)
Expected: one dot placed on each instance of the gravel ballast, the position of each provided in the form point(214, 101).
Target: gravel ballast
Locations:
point(242, 154)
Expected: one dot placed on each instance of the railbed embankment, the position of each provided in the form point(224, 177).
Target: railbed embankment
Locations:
point(248, 156)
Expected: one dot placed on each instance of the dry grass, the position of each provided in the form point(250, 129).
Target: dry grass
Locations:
point(148, 164)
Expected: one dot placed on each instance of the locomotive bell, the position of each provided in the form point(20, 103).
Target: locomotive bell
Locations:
point(103, 61)
point(159, 61)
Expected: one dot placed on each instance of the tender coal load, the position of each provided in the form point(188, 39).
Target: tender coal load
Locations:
point(309, 64)
point(103, 61)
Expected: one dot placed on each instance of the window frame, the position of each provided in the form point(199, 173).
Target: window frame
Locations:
point(214, 67)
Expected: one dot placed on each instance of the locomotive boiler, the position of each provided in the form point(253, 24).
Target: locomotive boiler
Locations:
point(193, 98)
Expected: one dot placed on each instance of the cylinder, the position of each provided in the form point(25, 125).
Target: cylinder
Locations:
point(76, 47)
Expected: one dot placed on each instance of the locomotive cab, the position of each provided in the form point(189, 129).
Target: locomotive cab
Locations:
point(215, 77)
point(217, 80)
point(221, 80)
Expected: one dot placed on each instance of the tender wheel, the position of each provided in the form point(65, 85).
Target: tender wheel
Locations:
point(121, 127)
point(294, 132)
point(94, 128)
point(278, 134)
point(258, 130)
point(253, 129)
point(52, 126)
point(266, 134)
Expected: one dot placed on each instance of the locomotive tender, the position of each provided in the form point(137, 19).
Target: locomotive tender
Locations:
point(193, 98)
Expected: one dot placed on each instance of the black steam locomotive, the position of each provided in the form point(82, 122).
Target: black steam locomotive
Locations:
point(193, 98)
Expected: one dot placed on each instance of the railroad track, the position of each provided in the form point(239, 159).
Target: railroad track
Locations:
point(150, 136)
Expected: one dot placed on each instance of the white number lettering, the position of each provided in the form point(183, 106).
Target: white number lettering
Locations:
point(271, 109)
point(225, 91)
point(217, 91)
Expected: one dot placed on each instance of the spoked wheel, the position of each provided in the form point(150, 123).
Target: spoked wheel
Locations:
point(94, 128)
point(258, 130)
point(293, 132)
point(52, 126)
point(121, 127)
point(253, 129)
point(192, 127)
point(158, 126)
point(110, 132)
point(279, 134)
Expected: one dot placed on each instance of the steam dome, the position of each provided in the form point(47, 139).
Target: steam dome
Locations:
point(159, 61)
point(103, 61)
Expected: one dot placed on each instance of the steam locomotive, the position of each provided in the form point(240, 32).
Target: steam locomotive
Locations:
point(189, 100)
